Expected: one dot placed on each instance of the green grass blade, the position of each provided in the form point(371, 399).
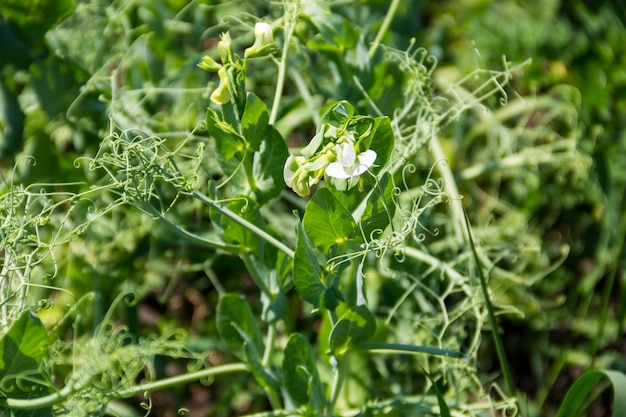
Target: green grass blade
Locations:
point(497, 340)
point(586, 383)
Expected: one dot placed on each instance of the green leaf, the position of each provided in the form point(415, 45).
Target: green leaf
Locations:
point(380, 207)
point(578, 392)
point(444, 411)
point(338, 114)
point(307, 268)
point(382, 142)
point(337, 34)
point(313, 281)
point(274, 306)
point(327, 222)
point(230, 146)
point(300, 375)
point(268, 166)
point(235, 324)
point(238, 234)
point(356, 326)
point(22, 349)
point(35, 18)
point(264, 376)
point(254, 121)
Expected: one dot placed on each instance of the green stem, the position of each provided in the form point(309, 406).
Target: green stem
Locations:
point(339, 377)
point(273, 398)
point(269, 345)
point(243, 222)
point(497, 340)
point(150, 210)
point(282, 68)
point(450, 188)
point(610, 263)
point(50, 400)
point(258, 280)
point(402, 348)
point(183, 379)
point(391, 12)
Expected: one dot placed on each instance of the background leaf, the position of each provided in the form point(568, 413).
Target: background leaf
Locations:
point(234, 317)
point(355, 326)
point(236, 233)
point(578, 392)
point(300, 372)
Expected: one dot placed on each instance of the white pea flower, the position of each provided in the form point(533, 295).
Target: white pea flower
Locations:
point(222, 93)
point(348, 163)
point(263, 41)
point(263, 31)
point(297, 175)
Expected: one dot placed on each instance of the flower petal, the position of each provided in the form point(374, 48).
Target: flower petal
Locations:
point(365, 161)
point(346, 155)
point(337, 170)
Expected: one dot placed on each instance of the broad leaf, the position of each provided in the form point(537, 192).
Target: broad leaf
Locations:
point(307, 268)
point(264, 376)
point(356, 326)
point(300, 375)
point(274, 306)
point(381, 141)
point(338, 114)
point(254, 121)
point(380, 207)
point(268, 166)
point(327, 222)
point(22, 349)
point(237, 327)
point(230, 146)
point(239, 234)
point(313, 281)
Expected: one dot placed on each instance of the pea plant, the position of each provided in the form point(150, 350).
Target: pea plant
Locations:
point(334, 191)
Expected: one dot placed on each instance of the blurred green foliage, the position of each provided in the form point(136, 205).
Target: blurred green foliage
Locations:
point(56, 70)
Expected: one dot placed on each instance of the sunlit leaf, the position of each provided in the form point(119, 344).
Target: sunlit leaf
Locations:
point(381, 142)
point(327, 222)
point(230, 146)
point(312, 279)
point(22, 349)
point(308, 264)
point(234, 320)
point(254, 121)
point(239, 234)
point(268, 166)
point(355, 326)
point(380, 207)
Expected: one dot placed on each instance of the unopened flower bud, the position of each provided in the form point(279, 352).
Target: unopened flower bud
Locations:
point(263, 41)
point(222, 93)
point(224, 47)
point(209, 64)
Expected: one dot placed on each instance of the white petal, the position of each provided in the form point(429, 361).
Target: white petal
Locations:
point(367, 158)
point(337, 170)
point(346, 154)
